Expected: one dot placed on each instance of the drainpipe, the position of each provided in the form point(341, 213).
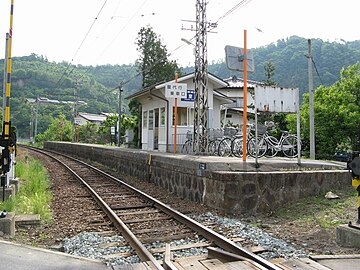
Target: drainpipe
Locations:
point(167, 118)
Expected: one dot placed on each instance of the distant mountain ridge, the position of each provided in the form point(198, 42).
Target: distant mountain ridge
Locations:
point(34, 76)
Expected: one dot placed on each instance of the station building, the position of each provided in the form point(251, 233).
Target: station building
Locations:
point(225, 105)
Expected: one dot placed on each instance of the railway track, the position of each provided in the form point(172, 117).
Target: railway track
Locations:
point(143, 220)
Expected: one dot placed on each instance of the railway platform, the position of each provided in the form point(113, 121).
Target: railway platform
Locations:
point(15, 256)
point(224, 183)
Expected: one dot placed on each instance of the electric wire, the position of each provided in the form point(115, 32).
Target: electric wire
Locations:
point(317, 72)
point(113, 40)
point(82, 42)
point(238, 5)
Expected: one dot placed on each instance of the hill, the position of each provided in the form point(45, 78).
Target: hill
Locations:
point(34, 76)
point(289, 57)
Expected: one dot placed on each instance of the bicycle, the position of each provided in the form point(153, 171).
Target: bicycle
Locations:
point(225, 145)
point(237, 143)
point(216, 136)
point(287, 144)
point(187, 147)
point(257, 146)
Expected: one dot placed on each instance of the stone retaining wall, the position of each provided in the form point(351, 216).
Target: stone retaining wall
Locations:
point(208, 181)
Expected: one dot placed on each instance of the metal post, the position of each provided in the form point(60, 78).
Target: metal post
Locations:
point(311, 103)
point(5, 75)
point(6, 140)
point(175, 117)
point(201, 79)
point(245, 98)
point(76, 101)
point(36, 117)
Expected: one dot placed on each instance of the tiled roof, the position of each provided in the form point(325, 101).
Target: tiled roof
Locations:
point(235, 82)
point(93, 117)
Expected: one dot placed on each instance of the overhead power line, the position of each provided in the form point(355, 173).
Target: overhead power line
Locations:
point(82, 42)
point(238, 5)
point(317, 72)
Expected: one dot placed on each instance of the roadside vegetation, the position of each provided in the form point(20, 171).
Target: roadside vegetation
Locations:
point(34, 196)
point(319, 211)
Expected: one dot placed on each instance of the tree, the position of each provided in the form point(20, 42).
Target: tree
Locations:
point(269, 73)
point(105, 128)
point(337, 114)
point(88, 133)
point(153, 63)
point(60, 129)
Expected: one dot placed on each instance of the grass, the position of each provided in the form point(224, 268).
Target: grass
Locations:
point(34, 196)
point(317, 210)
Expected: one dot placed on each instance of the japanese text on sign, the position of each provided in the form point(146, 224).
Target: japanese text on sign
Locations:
point(176, 90)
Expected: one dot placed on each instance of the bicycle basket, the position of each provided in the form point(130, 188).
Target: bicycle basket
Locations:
point(189, 136)
point(230, 131)
point(261, 129)
point(215, 133)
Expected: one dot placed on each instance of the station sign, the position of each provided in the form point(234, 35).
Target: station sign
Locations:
point(77, 121)
point(112, 130)
point(276, 99)
point(190, 96)
point(176, 90)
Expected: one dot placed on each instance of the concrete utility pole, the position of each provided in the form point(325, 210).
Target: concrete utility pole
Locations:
point(119, 117)
point(76, 101)
point(36, 116)
point(311, 103)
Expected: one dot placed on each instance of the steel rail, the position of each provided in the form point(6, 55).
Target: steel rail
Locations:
point(141, 251)
point(211, 235)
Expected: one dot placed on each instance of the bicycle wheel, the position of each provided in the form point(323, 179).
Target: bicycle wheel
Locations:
point(262, 146)
point(224, 149)
point(237, 146)
point(187, 147)
point(213, 147)
point(273, 146)
point(289, 146)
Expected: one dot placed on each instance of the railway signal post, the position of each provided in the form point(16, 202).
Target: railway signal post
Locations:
point(354, 167)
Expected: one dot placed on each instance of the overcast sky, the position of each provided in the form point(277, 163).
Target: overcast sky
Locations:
point(66, 30)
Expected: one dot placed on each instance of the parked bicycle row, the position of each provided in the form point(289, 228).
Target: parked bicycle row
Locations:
point(229, 142)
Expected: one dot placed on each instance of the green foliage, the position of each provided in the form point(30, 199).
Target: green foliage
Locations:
point(288, 57)
point(60, 129)
point(88, 133)
point(337, 114)
point(35, 75)
point(34, 196)
point(105, 128)
point(153, 63)
point(269, 68)
point(319, 211)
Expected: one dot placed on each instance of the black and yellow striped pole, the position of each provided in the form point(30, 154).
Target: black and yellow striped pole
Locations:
point(7, 141)
point(354, 166)
point(356, 184)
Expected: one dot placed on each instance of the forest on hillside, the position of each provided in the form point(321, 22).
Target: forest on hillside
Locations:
point(35, 76)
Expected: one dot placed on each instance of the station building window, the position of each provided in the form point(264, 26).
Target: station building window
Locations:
point(185, 116)
point(162, 116)
point(145, 119)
